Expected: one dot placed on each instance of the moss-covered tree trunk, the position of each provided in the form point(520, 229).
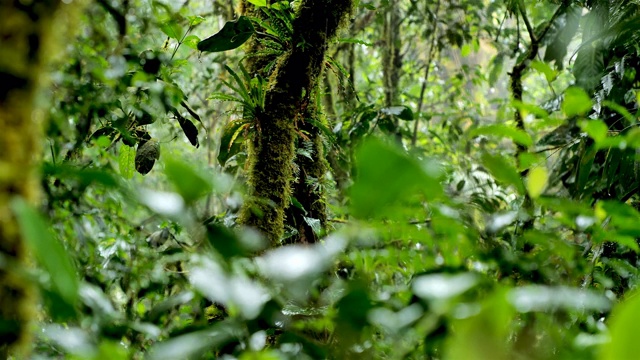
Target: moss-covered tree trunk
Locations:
point(24, 40)
point(309, 188)
point(288, 95)
point(392, 61)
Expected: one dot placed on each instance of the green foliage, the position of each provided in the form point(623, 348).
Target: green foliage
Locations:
point(453, 232)
point(232, 35)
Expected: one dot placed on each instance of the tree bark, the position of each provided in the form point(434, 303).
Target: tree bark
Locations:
point(24, 40)
point(289, 93)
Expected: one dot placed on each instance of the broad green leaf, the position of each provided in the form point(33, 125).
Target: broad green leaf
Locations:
point(624, 328)
point(545, 69)
point(518, 136)
point(259, 3)
point(195, 20)
point(386, 175)
point(576, 102)
point(189, 183)
point(126, 160)
point(483, 336)
point(537, 181)
point(191, 41)
point(503, 171)
point(48, 250)
point(596, 129)
point(172, 29)
point(232, 35)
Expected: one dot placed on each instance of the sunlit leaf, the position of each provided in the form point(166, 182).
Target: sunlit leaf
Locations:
point(126, 161)
point(576, 102)
point(537, 181)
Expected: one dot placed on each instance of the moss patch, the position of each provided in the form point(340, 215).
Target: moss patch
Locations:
point(295, 76)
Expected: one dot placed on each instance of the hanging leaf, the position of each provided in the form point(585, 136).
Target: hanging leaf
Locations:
point(567, 25)
point(232, 35)
point(126, 160)
point(190, 130)
point(191, 112)
point(146, 156)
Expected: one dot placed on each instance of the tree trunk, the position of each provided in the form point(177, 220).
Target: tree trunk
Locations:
point(24, 37)
point(288, 95)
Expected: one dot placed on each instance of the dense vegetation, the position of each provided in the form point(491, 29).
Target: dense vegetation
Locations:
point(261, 179)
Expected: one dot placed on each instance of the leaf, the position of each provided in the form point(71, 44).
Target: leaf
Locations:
point(146, 156)
point(232, 35)
point(517, 135)
point(228, 145)
point(402, 112)
point(596, 129)
point(483, 335)
point(567, 25)
point(503, 171)
point(191, 41)
point(576, 102)
point(191, 112)
point(189, 129)
point(126, 161)
point(386, 175)
point(443, 286)
point(259, 3)
point(545, 69)
point(172, 29)
point(48, 250)
point(623, 327)
point(537, 181)
point(189, 183)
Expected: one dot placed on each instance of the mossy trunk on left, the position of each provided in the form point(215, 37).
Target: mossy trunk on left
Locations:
point(24, 39)
point(290, 87)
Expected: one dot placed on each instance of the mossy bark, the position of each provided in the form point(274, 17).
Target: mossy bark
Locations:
point(392, 62)
point(290, 86)
point(24, 38)
point(254, 62)
point(309, 188)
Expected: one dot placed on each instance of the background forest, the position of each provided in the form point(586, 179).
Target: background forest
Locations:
point(375, 179)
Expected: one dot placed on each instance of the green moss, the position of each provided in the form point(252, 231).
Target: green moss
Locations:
point(295, 75)
point(24, 40)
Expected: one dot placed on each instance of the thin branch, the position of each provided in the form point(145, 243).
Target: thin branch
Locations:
point(434, 40)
